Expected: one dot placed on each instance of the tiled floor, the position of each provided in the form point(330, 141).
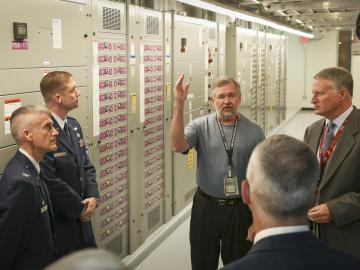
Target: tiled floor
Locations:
point(174, 252)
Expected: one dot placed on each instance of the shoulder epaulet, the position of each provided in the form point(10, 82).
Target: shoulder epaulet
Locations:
point(25, 174)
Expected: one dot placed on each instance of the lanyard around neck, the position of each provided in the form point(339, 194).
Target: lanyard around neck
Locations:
point(228, 149)
point(324, 157)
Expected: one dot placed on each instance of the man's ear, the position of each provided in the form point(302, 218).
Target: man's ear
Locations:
point(57, 98)
point(27, 135)
point(245, 192)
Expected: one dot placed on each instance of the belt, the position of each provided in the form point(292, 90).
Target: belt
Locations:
point(218, 201)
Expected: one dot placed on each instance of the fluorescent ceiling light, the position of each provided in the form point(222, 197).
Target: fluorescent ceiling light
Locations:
point(245, 17)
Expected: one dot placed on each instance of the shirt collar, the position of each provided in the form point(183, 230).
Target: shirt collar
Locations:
point(341, 118)
point(59, 120)
point(33, 161)
point(280, 230)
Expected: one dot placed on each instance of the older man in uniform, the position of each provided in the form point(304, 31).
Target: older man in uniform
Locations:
point(26, 231)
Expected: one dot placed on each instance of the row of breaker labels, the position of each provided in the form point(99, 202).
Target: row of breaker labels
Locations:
point(153, 58)
point(115, 58)
point(103, 97)
point(109, 183)
point(157, 189)
point(109, 121)
point(120, 46)
point(113, 156)
point(112, 205)
point(113, 168)
point(112, 70)
point(151, 151)
point(108, 134)
point(112, 83)
point(109, 108)
point(114, 216)
point(115, 46)
point(111, 194)
point(153, 68)
point(117, 227)
point(110, 145)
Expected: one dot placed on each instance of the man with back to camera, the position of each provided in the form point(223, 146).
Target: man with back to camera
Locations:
point(223, 141)
point(336, 141)
point(280, 188)
point(26, 229)
point(89, 259)
point(68, 172)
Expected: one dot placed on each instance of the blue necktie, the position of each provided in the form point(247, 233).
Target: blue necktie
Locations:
point(67, 132)
point(329, 135)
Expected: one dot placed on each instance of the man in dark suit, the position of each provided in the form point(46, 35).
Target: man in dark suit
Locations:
point(26, 231)
point(280, 188)
point(68, 172)
point(336, 141)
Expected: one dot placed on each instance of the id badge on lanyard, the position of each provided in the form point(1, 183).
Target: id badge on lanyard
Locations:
point(231, 183)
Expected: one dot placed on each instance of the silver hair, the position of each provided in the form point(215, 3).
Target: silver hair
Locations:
point(224, 80)
point(19, 119)
point(88, 259)
point(340, 77)
point(282, 175)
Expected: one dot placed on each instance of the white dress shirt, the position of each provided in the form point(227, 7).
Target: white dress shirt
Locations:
point(33, 161)
point(280, 230)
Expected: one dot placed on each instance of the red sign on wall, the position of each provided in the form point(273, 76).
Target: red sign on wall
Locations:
point(24, 45)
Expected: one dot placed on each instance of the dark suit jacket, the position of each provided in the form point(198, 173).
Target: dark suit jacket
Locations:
point(340, 185)
point(300, 251)
point(26, 234)
point(70, 178)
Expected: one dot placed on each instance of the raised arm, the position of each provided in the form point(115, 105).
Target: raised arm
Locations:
point(177, 137)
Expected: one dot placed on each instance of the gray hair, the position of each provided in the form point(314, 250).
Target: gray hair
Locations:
point(20, 120)
point(282, 174)
point(88, 259)
point(340, 77)
point(221, 81)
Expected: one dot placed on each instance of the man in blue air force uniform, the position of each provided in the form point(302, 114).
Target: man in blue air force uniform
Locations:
point(68, 172)
point(26, 229)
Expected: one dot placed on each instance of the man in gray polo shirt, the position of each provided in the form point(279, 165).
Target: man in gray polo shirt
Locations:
point(224, 142)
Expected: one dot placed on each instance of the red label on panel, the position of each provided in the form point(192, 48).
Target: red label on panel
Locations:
point(20, 45)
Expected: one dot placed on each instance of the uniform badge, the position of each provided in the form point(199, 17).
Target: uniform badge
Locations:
point(43, 209)
point(78, 134)
point(59, 154)
point(75, 128)
point(26, 174)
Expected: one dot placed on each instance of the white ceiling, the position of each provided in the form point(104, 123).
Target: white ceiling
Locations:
point(306, 15)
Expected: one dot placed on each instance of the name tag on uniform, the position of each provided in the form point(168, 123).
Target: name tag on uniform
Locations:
point(59, 154)
point(43, 209)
